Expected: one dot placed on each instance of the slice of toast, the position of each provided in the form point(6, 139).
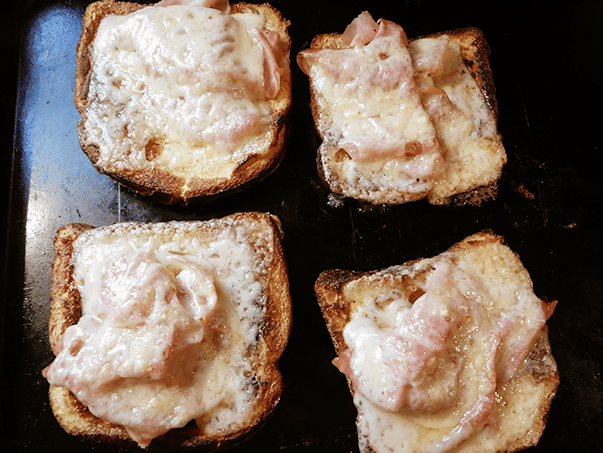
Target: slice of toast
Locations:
point(521, 395)
point(464, 174)
point(236, 382)
point(131, 136)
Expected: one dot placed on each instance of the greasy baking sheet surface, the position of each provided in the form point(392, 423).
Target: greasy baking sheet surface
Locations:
point(547, 207)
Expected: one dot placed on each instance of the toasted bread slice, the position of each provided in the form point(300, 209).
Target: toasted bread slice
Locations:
point(494, 277)
point(463, 174)
point(236, 381)
point(155, 145)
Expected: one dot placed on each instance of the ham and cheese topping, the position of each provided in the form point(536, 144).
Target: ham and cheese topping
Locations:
point(372, 99)
point(442, 360)
point(182, 85)
point(402, 112)
point(146, 310)
point(167, 322)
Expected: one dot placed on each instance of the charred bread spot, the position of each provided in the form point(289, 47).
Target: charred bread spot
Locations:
point(153, 148)
point(413, 148)
point(341, 156)
point(279, 121)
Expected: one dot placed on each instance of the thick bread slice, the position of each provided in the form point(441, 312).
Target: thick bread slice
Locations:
point(211, 178)
point(470, 177)
point(522, 404)
point(261, 233)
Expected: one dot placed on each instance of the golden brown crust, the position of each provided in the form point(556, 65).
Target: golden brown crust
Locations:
point(161, 184)
point(335, 310)
point(65, 308)
point(338, 303)
point(475, 53)
point(542, 370)
point(76, 419)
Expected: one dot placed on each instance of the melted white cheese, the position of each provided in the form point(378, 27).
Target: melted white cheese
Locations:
point(369, 100)
point(177, 88)
point(145, 371)
point(458, 83)
point(465, 125)
point(456, 353)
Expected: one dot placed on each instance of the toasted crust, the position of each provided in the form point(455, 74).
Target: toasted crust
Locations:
point(159, 183)
point(539, 373)
point(475, 53)
point(76, 419)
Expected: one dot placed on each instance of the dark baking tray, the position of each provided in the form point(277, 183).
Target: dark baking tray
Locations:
point(545, 60)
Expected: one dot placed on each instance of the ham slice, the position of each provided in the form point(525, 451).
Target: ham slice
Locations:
point(269, 41)
point(361, 31)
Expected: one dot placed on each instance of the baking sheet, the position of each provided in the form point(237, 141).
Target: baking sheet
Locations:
point(548, 208)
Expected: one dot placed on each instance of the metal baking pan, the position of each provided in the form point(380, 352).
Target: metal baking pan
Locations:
point(547, 208)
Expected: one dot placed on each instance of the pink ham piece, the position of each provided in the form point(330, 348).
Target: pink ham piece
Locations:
point(431, 60)
point(269, 41)
point(361, 31)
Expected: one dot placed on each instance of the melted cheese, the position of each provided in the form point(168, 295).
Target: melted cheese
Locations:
point(179, 88)
point(460, 114)
point(167, 323)
point(374, 111)
point(429, 376)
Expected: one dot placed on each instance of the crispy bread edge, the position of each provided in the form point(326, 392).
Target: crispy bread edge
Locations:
point(159, 184)
point(76, 419)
